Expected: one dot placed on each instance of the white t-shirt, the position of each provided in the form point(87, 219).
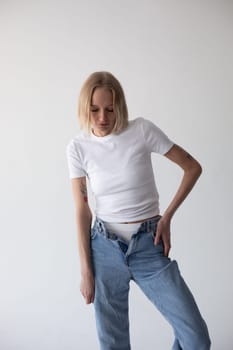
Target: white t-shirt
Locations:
point(119, 169)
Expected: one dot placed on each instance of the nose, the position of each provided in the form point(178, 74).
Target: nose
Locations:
point(102, 115)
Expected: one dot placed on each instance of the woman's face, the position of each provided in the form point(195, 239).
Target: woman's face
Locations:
point(101, 112)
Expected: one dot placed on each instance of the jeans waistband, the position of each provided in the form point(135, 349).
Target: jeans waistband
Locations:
point(146, 226)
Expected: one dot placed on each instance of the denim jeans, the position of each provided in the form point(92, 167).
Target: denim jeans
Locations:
point(115, 263)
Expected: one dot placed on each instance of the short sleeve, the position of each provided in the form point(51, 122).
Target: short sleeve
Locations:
point(75, 167)
point(156, 140)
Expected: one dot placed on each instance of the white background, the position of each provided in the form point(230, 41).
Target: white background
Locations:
point(174, 60)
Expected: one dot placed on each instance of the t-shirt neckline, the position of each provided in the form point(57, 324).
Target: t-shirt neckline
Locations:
point(101, 138)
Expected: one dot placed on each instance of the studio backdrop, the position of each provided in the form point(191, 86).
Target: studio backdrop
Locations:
point(174, 61)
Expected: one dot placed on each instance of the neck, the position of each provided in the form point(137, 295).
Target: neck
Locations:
point(100, 134)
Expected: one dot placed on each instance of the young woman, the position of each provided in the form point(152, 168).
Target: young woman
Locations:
point(129, 239)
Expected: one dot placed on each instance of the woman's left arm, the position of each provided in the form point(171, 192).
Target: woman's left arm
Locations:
point(192, 170)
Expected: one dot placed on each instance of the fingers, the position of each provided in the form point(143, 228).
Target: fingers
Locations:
point(167, 248)
point(89, 299)
point(163, 234)
point(88, 295)
point(157, 236)
point(167, 245)
point(87, 288)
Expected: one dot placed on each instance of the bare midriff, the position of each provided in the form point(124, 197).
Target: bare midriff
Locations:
point(134, 222)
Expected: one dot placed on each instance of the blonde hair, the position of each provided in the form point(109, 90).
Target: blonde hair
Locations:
point(105, 80)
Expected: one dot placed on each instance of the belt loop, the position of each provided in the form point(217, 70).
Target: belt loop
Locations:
point(101, 228)
point(103, 231)
point(99, 225)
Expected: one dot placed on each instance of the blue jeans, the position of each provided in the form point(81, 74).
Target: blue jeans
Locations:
point(115, 263)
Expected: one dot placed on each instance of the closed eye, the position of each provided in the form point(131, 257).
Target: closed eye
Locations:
point(96, 110)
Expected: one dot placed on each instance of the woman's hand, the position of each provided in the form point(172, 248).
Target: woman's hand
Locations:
point(163, 232)
point(87, 287)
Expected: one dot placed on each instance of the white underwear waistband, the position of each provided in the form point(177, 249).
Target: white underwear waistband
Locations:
point(124, 231)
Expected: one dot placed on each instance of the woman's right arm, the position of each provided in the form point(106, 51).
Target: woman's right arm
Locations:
point(83, 216)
